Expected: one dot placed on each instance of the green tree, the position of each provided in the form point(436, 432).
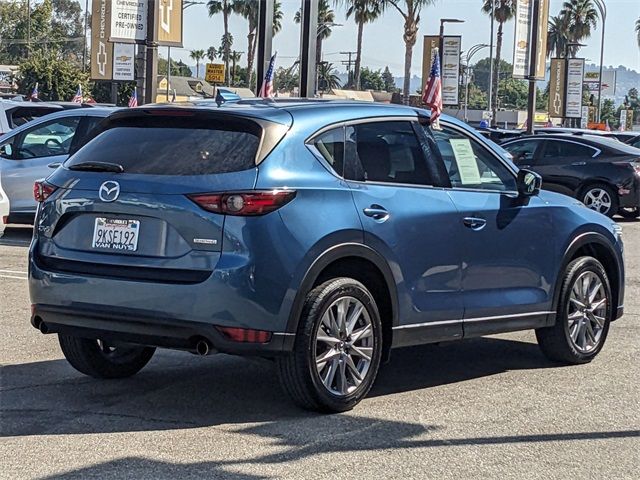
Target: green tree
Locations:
point(410, 11)
point(557, 36)
point(178, 68)
point(225, 7)
point(372, 80)
point(608, 113)
point(57, 77)
point(248, 9)
point(481, 73)
point(212, 53)
point(197, 56)
point(328, 78)
point(504, 10)
point(363, 12)
point(581, 16)
point(389, 81)
point(514, 94)
point(286, 80)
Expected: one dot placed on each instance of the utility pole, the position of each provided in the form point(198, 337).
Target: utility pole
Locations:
point(308, 43)
point(531, 111)
point(348, 64)
point(151, 60)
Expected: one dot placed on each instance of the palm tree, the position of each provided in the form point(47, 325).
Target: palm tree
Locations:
point(235, 58)
point(327, 76)
point(212, 53)
point(226, 8)
point(638, 30)
point(581, 16)
point(503, 11)
point(363, 11)
point(557, 36)
point(197, 55)
point(249, 10)
point(410, 11)
point(326, 17)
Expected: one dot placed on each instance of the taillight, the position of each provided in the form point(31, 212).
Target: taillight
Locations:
point(42, 190)
point(245, 335)
point(244, 203)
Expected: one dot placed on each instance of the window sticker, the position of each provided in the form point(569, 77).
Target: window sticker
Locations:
point(466, 161)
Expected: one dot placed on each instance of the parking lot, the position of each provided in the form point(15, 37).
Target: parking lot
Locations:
point(486, 408)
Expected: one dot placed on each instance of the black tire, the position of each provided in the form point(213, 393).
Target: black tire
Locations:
point(298, 373)
point(613, 209)
point(97, 359)
point(555, 342)
point(629, 213)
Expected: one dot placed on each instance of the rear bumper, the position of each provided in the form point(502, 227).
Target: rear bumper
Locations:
point(632, 198)
point(127, 326)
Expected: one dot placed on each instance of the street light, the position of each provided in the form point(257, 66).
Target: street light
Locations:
point(441, 36)
point(603, 15)
point(472, 51)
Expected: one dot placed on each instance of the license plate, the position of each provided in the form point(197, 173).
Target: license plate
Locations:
point(116, 234)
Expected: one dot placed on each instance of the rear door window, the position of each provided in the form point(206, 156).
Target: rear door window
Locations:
point(176, 146)
point(48, 139)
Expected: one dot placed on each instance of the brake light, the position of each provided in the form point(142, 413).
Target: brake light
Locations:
point(244, 203)
point(245, 335)
point(42, 191)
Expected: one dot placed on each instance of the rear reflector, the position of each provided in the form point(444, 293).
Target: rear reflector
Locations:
point(5, 219)
point(245, 335)
point(42, 190)
point(244, 203)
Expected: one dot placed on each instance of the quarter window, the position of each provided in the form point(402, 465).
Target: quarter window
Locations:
point(556, 149)
point(523, 152)
point(470, 165)
point(331, 146)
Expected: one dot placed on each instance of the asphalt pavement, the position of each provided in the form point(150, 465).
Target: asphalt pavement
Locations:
point(486, 408)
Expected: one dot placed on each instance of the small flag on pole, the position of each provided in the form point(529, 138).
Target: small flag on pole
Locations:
point(34, 93)
point(266, 91)
point(78, 96)
point(432, 95)
point(133, 100)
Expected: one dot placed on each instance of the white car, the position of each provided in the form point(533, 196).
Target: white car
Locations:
point(14, 114)
point(4, 208)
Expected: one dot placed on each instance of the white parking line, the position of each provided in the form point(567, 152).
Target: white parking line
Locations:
point(13, 271)
point(11, 276)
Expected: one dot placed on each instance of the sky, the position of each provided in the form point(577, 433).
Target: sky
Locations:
point(383, 44)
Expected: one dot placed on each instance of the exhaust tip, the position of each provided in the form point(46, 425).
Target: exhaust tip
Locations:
point(203, 348)
point(43, 327)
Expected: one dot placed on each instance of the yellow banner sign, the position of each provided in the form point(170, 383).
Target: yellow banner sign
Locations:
point(214, 73)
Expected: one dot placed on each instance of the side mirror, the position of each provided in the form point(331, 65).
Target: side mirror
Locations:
point(6, 150)
point(529, 183)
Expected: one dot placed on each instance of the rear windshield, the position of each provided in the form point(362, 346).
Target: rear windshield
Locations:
point(174, 147)
point(20, 115)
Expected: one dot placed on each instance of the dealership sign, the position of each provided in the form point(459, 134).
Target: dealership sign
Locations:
point(557, 84)
point(575, 74)
point(128, 20)
point(450, 68)
point(101, 47)
point(525, 36)
point(123, 61)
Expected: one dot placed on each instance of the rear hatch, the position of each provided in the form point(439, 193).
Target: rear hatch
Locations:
point(121, 205)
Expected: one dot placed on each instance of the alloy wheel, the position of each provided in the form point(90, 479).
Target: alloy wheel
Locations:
point(599, 200)
point(586, 315)
point(344, 344)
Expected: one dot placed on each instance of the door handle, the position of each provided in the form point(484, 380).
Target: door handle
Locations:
point(474, 223)
point(376, 212)
point(578, 164)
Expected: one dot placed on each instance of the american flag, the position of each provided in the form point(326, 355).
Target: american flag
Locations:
point(34, 94)
point(133, 100)
point(78, 96)
point(432, 95)
point(266, 91)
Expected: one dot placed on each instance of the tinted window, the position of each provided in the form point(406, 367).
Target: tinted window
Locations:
point(164, 146)
point(523, 151)
point(331, 146)
point(386, 152)
point(47, 140)
point(560, 149)
point(20, 115)
point(470, 165)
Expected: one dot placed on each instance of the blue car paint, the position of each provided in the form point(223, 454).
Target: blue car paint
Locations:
point(440, 270)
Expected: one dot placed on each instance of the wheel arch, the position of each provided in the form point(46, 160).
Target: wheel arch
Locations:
point(595, 245)
point(361, 263)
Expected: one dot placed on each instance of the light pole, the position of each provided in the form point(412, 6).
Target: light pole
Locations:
point(472, 51)
point(441, 36)
point(490, 95)
point(603, 16)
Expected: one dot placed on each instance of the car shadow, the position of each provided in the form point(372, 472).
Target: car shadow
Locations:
point(177, 391)
point(17, 236)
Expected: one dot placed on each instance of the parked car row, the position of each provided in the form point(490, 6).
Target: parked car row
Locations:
point(500, 135)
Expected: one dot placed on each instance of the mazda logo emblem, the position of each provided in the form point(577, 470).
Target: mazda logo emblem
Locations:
point(109, 191)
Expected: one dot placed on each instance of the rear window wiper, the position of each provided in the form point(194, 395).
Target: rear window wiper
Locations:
point(98, 167)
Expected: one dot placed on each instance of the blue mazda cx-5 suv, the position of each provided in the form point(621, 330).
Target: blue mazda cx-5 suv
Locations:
point(320, 234)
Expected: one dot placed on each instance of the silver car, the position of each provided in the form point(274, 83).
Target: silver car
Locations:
point(31, 151)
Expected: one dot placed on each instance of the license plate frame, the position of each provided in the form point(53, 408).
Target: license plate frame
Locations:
point(115, 234)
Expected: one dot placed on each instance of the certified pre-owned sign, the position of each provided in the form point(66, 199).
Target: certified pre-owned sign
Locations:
point(128, 20)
